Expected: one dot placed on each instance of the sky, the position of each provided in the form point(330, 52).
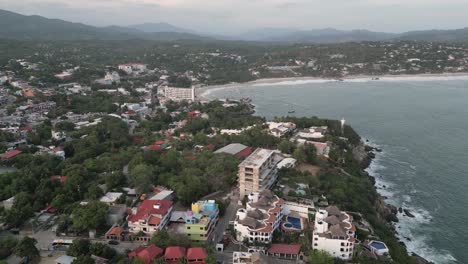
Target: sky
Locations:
point(236, 16)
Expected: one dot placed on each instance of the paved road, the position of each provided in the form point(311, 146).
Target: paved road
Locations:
point(223, 223)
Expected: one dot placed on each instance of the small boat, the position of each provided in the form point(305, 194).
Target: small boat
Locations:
point(376, 79)
point(291, 112)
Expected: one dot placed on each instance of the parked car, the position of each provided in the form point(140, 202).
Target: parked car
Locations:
point(113, 242)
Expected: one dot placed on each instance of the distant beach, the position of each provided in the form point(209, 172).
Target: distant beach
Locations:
point(204, 91)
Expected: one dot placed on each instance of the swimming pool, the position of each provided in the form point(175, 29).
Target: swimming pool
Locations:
point(378, 245)
point(295, 222)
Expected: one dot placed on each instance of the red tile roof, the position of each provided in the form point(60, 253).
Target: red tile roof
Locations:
point(147, 254)
point(154, 147)
point(244, 153)
point(147, 208)
point(115, 231)
point(11, 154)
point(284, 249)
point(197, 253)
point(173, 253)
point(135, 252)
point(62, 179)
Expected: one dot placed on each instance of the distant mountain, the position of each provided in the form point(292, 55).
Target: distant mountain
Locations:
point(160, 27)
point(17, 26)
point(21, 27)
point(327, 35)
point(454, 35)
point(263, 34)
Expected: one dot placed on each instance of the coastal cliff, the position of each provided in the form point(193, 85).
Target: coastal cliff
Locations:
point(388, 213)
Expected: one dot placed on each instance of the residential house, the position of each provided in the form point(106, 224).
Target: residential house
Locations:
point(150, 217)
point(247, 258)
point(280, 129)
point(201, 220)
point(286, 251)
point(147, 254)
point(261, 217)
point(174, 255)
point(334, 232)
point(197, 255)
point(111, 198)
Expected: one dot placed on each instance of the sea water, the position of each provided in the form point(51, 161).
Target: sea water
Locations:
point(420, 123)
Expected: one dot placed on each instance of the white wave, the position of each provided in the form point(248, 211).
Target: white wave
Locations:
point(410, 230)
point(296, 82)
point(418, 240)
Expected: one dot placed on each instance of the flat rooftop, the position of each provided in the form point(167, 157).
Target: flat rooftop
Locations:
point(257, 158)
point(232, 149)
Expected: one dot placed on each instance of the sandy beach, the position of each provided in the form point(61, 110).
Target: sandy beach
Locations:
point(203, 91)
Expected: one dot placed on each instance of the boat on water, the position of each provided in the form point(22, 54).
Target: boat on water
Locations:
point(291, 112)
point(376, 79)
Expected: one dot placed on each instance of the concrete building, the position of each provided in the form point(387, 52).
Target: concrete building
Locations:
point(130, 68)
point(247, 258)
point(150, 217)
point(179, 94)
point(334, 232)
point(201, 220)
point(260, 218)
point(258, 171)
point(280, 129)
point(236, 149)
point(303, 208)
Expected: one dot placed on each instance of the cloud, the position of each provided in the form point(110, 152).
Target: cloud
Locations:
point(234, 16)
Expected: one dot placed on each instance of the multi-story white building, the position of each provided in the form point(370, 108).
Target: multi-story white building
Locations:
point(178, 94)
point(112, 77)
point(280, 129)
point(150, 217)
point(258, 171)
point(260, 218)
point(334, 232)
point(130, 68)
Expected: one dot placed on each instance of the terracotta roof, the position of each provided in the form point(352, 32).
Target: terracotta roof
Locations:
point(284, 249)
point(115, 231)
point(147, 208)
point(196, 253)
point(154, 147)
point(147, 254)
point(153, 220)
point(174, 252)
point(62, 179)
point(11, 154)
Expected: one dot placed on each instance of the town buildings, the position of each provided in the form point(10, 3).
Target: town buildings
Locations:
point(150, 217)
point(258, 171)
point(260, 218)
point(178, 94)
point(280, 129)
point(201, 220)
point(235, 149)
point(334, 232)
point(131, 68)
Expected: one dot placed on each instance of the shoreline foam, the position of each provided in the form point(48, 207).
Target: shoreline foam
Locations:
point(205, 91)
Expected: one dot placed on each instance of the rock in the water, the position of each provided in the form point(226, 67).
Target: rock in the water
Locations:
point(408, 213)
point(400, 210)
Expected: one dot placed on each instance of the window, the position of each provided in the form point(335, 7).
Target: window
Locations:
point(315, 244)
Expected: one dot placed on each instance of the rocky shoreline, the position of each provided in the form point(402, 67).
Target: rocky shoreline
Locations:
point(365, 154)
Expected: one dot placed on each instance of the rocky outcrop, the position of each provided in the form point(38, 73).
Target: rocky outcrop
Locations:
point(387, 211)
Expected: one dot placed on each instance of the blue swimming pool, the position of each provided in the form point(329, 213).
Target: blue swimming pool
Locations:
point(295, 222)
point(377, 245)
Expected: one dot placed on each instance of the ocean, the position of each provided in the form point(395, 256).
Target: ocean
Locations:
point(420, 123)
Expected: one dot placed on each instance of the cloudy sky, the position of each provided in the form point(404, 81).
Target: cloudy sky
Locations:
point(234, 16)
